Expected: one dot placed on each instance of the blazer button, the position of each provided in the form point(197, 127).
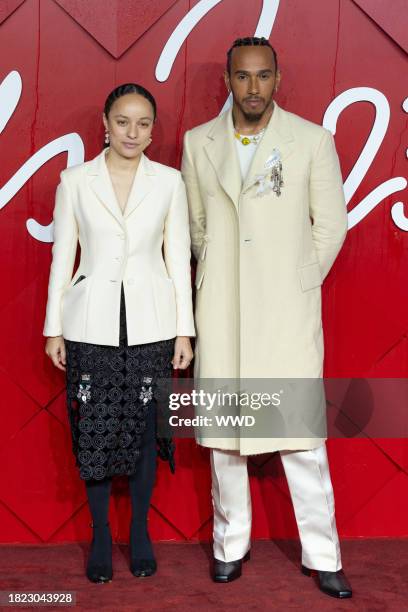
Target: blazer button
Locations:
point(131, 281)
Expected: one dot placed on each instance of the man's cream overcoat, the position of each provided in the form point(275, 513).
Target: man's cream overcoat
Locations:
point(261, 260)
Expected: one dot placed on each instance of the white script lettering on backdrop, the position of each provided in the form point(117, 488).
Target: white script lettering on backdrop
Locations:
point(10, 92)
point(367, 155)
point(11, 87)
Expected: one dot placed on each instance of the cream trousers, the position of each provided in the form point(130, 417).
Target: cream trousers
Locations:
point(308, 476)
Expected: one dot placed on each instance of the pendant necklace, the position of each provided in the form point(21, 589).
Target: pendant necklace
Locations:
point(246, 140)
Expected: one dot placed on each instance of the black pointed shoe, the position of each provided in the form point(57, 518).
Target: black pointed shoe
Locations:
point(142, 561)
point(142, 568)
point(99, 566)
point(334, 584)
point(227, 571)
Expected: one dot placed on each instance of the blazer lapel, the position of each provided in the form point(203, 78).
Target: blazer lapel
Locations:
point(222, 153)
point(142, 184)
point(278, 135)
point(101, 185)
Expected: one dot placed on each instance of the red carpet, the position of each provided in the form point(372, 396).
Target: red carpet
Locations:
point(377, 569)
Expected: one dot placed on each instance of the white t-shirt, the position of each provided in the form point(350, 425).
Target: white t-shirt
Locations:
point(245, 155)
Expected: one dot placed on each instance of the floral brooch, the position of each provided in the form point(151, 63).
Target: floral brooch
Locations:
point(272, 178)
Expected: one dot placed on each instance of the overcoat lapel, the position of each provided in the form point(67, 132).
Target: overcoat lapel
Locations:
point(222, 153)
point(278, 135)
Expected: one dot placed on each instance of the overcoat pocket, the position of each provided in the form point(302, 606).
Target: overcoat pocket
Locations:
point(310, 276)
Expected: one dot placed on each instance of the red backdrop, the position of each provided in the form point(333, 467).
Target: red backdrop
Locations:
point(69, 54)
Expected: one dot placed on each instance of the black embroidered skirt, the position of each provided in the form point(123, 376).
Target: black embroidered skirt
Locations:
point(109, 392)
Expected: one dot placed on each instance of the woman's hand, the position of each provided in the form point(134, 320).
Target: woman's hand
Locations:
point(55, 349)
point(183, 353)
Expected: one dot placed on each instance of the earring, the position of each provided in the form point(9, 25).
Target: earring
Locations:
point(106, 137)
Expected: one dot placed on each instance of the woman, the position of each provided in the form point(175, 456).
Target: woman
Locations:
point(125, 316)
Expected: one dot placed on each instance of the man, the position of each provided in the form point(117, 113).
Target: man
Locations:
point(268, 219)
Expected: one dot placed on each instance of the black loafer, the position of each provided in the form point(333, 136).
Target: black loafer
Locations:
point(334, 584)
point(227, 571)
point(142, 568)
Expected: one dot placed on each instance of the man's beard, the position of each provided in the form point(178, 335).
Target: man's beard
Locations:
point(255, 117)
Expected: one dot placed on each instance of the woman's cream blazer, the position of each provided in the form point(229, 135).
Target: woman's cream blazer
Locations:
point(120, 248)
